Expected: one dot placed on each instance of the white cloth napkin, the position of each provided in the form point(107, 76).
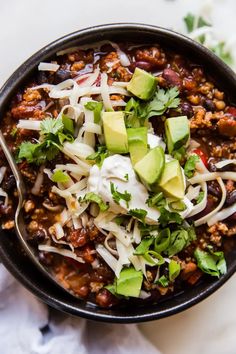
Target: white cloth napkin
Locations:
point(27, 326)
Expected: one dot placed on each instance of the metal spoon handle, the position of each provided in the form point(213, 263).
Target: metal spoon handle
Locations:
point(19, 180)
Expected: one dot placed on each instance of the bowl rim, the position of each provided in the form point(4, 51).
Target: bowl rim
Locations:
point(19, 76)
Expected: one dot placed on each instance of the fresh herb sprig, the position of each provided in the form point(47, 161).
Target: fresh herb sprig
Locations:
point(117, 196)
point(53, 133)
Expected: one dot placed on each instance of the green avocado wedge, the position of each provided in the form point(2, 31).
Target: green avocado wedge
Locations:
point(177, 132)
point(172, 180)
point(150, 167)
point(129, 282)
point(115, 132)
point(137, 140)
point(142, 84)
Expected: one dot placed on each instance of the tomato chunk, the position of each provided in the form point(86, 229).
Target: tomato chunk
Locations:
point(202, 156)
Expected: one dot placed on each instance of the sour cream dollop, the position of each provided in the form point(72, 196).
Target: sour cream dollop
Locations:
point(114, 170)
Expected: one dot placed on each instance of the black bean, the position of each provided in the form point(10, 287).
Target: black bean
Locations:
point(209, 105)
point(37, 237)
point(211, 165)
point(187, 109)
point(231, 198)
point(9, 183)
point(61, 75)
point(45, 258)
point(214, 189)
point(42, 77)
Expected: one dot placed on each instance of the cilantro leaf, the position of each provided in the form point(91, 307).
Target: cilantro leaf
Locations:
point(96, 107)
point(134, 114)
point(156, 200)
point(68, 124)
point(139, 214)
point(190, 164)
point(117, 196)
point(200, 197)
point(211, 263)
point(51, 126)
point(166, 217)
point(93, 197)
point(52, 137)
point(126, 176)
point(179, 154)
point(59, 176)
point(99, 156)
point(162, 101)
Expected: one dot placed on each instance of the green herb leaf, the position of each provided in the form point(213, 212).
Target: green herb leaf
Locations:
point(59, 176)
point(163, 281)
point(51, 126)
point(162, 101)
point(99, 156)
point(200, 197)
point(190, 165)
point(156, 200)
point(144, 245)
point(126, 176)
point(162, 240)
point(68, 124)
point(189, 20)
point(117, 196)
point(14, 132)
point(96, 107)
point(179, 154)
point(211, 263)
point(52, 138)
point(224, 54)
point(93, 197)
point(174, 270)
point(166, 217)
point(139, 214)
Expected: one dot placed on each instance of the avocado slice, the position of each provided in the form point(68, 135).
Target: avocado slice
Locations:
point(137, 140)
point(150, 168)
point(177, 132)
point(115, 132)
point(142, 84)
point(172, 181)
point(129, 283)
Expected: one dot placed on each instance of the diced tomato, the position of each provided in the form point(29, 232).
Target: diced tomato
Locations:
point(232, 110)
point(202, 156)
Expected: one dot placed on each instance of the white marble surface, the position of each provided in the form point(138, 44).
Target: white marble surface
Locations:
point(27, 25)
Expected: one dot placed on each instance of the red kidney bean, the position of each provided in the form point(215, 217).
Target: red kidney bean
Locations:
point(144, 65)
point(232, 111)
point(209, 207)
point(231, 218)
point(105, 299)
point(172, 77)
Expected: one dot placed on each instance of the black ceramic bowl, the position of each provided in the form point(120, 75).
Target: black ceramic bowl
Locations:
point(10, 252)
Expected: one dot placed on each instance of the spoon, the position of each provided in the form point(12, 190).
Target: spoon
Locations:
point(19, 221)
